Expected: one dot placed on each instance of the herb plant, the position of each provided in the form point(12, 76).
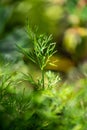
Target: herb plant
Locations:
point(43, 49)
point(47, 106)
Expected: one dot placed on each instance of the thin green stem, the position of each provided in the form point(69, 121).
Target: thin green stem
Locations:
point(43, 79)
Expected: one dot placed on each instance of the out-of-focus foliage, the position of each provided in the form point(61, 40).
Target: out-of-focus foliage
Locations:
point(57, 107)
point(60, 108)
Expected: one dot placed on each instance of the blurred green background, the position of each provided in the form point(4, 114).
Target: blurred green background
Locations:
point(65, 19)
point(60, 108)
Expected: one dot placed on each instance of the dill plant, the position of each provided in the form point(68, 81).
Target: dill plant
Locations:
point(47, 109)
point(14, 104)
point(35, 109)
point(43, 48)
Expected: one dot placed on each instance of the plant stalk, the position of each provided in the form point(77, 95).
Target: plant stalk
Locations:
point(43, 79)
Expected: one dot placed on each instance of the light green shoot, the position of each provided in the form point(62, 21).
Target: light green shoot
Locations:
point(43, 49)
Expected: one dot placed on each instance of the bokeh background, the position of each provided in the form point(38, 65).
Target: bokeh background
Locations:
point(66, 20)
point(60, 107)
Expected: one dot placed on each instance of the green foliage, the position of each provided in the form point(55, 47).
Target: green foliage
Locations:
point(45, 105)
point(40, 54)
point(51, 108)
